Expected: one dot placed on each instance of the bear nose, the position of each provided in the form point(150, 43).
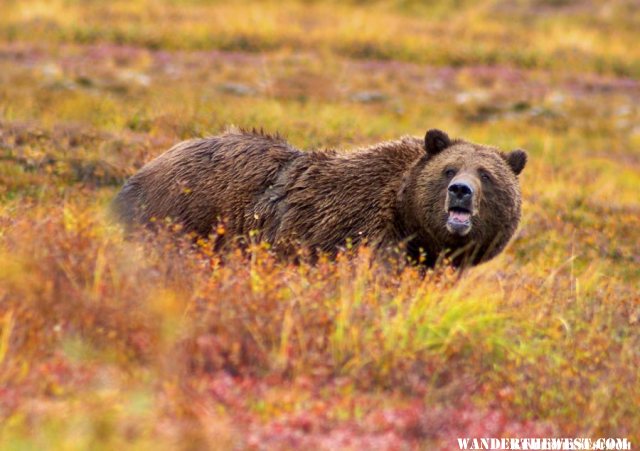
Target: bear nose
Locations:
point(461, 190)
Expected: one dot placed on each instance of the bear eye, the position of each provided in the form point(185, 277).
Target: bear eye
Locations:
point(485, 177)
point(449, 173)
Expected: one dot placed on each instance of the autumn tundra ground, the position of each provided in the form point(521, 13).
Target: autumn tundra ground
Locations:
point(150, 343)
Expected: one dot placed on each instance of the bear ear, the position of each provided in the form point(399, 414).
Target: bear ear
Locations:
point(435, 141)
point(517, 160)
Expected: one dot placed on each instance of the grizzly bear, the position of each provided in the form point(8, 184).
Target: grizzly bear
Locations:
point(425, 198)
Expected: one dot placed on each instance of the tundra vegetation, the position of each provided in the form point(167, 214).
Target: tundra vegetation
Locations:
point(158, 344)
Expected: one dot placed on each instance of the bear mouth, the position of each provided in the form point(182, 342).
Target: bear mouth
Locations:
point(459, 221)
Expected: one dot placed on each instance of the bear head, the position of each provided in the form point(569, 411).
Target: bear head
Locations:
point(466, 198)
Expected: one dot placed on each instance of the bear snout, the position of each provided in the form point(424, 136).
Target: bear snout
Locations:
point(459, 206)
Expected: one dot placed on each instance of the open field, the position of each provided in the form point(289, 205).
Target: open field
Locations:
point(108, 343)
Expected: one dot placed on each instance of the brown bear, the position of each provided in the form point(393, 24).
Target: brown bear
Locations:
point(428, 197)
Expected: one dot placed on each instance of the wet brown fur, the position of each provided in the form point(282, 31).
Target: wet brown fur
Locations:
point(390, 195)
